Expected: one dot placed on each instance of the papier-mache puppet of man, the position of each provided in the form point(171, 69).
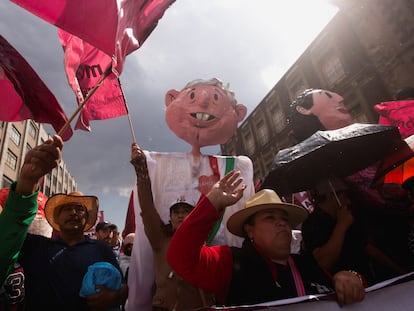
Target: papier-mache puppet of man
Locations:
point(204, 113)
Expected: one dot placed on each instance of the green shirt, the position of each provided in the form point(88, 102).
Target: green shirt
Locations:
point(18, 212)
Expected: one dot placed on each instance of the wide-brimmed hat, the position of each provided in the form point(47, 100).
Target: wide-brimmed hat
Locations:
point(91, 204)
point(263, 200)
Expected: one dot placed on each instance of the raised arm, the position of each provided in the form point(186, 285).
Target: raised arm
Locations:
point(207, 267)
point(153, 224)
point(328, 254)
point(21, 204)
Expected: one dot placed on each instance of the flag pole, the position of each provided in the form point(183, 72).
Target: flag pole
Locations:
point(134, 140)
point(87, 97)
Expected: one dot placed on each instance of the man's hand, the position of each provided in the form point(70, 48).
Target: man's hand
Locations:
point(139, 161)
point(38, 162)
point(226, 191)
point(349, 287)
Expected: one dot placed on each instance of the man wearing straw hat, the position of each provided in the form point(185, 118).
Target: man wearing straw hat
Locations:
point(55, 268)
point(263, 269)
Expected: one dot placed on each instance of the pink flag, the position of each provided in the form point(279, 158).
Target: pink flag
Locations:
point(85, 65)
point(24, 95)
point(115, 27)
point(399, 114)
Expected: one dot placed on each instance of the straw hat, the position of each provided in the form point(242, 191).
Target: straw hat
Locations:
point(263, 200)
point(53, 203)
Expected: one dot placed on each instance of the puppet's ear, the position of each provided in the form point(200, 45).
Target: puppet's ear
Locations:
point(241, 111)
point(303, 111)
point(170, 96)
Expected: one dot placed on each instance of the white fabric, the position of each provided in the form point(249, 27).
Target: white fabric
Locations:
point(174, 175)
point(295, 245)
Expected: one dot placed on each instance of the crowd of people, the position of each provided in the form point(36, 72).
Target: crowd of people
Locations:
point(341, 250)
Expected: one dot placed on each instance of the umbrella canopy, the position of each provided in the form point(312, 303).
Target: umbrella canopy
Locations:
point(329, 154)
point(41, 201)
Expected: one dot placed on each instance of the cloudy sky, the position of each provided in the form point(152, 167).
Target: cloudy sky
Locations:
point(249, 44)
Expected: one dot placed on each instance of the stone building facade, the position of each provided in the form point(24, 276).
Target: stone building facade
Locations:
point(365, 54)
point(16, 139)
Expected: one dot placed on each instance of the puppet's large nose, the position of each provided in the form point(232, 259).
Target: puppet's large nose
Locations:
point(205, 98)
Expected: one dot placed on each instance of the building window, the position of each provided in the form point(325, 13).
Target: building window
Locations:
point(278, 117)
point(28, 148)
point(15, 136)
point(249, 143)
point(262, 132)
point(333, 70)
point(54, 181)
point(6, 182)
point(1, 124)
point(11, 160)
point(32, 129)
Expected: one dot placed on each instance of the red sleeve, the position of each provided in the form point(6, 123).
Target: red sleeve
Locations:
point(207, 267)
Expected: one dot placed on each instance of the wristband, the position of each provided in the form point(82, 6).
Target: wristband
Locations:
point(359, 276)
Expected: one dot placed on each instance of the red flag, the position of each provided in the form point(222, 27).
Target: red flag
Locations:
point(399, 114)
point(24, 95)
point(115, 27)
point(130, 217)
point(85, 65)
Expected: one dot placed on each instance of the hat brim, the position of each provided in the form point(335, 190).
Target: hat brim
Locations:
point(175, 205)
point(90, 202)
point(296, 215)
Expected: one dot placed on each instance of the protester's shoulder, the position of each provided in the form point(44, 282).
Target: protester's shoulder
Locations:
point(98, 243)
point(30, 237)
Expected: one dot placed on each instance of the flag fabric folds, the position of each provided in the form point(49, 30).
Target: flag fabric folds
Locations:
point(24, 95)
point(116, 27)
point(84, 66)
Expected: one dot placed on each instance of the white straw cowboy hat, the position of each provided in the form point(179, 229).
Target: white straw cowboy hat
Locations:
point(91, 204)
point(263, 200)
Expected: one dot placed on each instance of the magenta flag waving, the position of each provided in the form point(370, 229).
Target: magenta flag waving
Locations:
point(116, 27)
point(24, 95)
point(84, 66)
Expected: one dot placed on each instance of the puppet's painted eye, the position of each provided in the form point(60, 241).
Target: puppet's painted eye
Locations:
point(192, 95)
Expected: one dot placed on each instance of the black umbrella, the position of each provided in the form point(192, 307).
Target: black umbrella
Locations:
point(329, 154)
